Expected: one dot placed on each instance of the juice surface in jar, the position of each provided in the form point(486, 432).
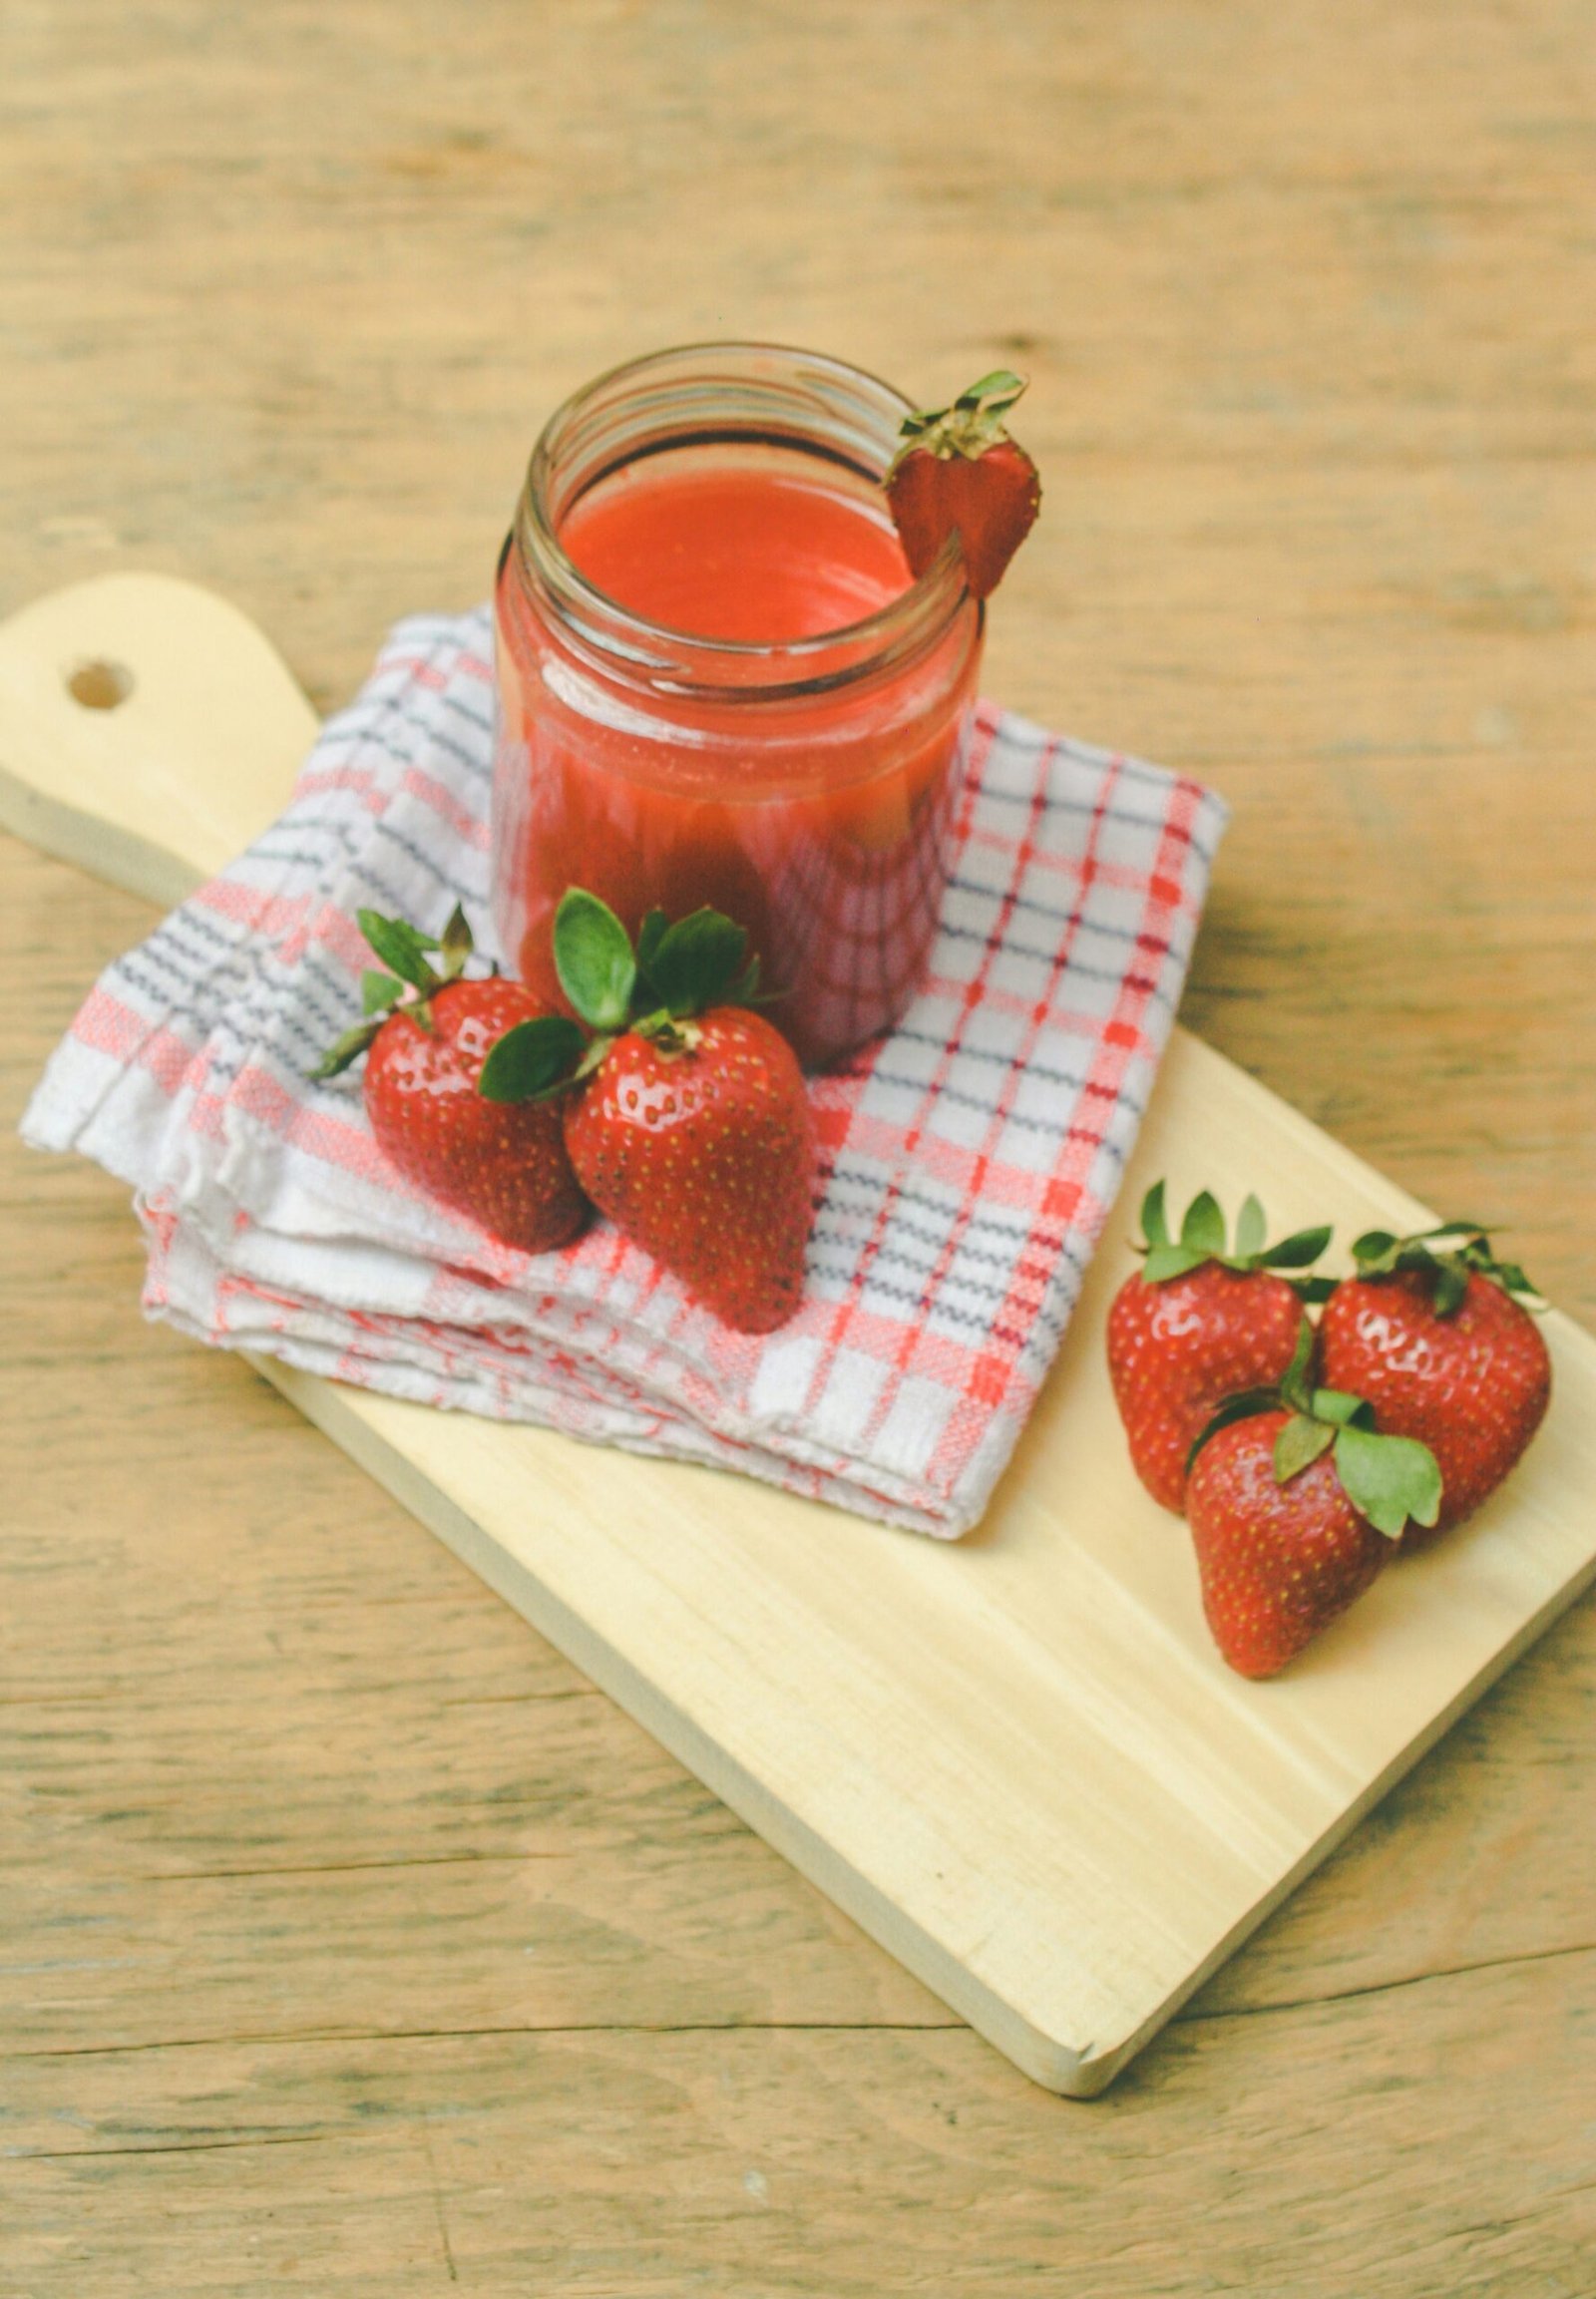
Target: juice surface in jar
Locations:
point(735, 546)
point(718, 683)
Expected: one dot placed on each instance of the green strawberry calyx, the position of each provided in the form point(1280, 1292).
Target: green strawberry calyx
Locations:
point(1203, 1238)
point(676, 971)
point(408, 986)
point(1448, 1257)
point(974, 423)
point(1387, 1479)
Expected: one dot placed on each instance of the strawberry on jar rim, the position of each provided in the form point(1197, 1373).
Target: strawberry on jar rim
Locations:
point(1436, 1333)
point(427, 1033)
point(1200, 1321)
point(957, 471)
point(686, 1118)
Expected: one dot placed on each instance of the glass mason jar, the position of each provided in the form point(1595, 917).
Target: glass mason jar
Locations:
point(803, 784)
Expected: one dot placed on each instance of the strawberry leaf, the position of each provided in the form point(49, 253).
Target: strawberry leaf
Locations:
point(1339, 1407)
point(1297, 1251)
point(1203, 1230)
point(531, 1059)
point(457, 945)
point(1387, 1479)
point(1166, 1262)
point(994, 394)
point(695, 961)
point(1294, 1380)
point(378, 992)
point(592, 958)
point(1002, 379)
point(974, 423)
point(1451, 1283)
point(1310, 1290)
point(1445, 1258)
point(745, 989)
point(1451, 1237)
point(1246, 1406)
point(346, 1049)
point(1299, 1444)
point(1524, 1290)
point(1154, 1222)
point(649, 936)
point(1251, 1228)
point(400, 945)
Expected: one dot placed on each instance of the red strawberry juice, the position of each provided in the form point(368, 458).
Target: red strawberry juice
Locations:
point(718, 683)
point(742, 550)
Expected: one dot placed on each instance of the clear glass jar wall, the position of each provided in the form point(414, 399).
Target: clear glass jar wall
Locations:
point(803, 782)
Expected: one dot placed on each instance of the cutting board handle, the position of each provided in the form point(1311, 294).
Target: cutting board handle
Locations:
point(148, 730)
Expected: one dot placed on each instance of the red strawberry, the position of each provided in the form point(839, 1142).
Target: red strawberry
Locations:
point(958, 471)
point(1196, 1325)
point(698, 1143)
point(1432, 1331)
point(426, 1039)
point(689, 1126)
point(1293, 1509)
point(1278, 1562)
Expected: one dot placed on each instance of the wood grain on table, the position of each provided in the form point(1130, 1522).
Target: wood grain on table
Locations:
point(353, 1943)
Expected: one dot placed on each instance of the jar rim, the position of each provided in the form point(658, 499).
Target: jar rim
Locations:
point(681, 659)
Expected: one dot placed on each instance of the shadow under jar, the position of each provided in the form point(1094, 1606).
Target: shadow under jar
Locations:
point(720, 683)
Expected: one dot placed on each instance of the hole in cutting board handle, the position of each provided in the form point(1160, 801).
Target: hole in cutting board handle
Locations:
point(100, 685)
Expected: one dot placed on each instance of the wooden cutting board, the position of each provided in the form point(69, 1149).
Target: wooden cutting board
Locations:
point(1016, 1762)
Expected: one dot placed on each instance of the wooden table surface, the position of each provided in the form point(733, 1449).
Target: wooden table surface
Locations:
point(352, 1943)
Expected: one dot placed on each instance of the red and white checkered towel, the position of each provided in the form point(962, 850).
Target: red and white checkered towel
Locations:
point(968, 1159)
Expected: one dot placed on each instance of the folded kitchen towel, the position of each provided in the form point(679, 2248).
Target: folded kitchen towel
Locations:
point(968, 1160)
